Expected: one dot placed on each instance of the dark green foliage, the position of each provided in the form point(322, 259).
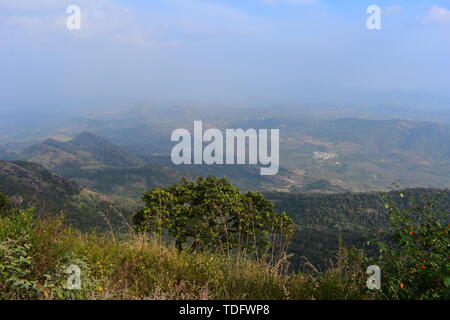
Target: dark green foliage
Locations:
point(212, 213)
point(33, 185)
point(354, 217)
point(5, 204)
point(15, 260)
point(415, 261)
point(321, 185)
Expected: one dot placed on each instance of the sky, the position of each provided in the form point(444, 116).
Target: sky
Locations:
point(236, 51)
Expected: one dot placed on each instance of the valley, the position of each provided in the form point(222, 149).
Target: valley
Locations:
point(331, 176)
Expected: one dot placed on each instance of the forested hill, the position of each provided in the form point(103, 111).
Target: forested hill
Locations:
point(31, 182)
point(356, 217)
point(321, 218)
point(31, 185)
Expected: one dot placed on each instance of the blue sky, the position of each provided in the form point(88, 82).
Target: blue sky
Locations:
point(236, 51)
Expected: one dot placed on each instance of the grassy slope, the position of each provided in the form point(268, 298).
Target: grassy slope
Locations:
point(35, 253)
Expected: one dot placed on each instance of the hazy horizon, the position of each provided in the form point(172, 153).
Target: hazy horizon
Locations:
point(247, 53)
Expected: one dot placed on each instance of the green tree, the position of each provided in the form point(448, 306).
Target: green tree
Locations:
point(211, 213)
point(415, 262)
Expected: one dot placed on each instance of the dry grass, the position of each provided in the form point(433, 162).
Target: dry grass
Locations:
point(139, 267)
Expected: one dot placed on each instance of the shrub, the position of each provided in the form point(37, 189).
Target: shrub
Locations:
point(34, 256)
point(415, 262)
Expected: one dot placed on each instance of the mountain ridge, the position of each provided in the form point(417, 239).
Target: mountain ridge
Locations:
point(83, 151)
point(94, 162)
point(29, 184)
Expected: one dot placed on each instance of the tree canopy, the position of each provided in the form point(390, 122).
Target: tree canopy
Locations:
point(211, 213)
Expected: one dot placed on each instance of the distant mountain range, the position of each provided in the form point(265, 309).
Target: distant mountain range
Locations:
point(368, 155)
point(97, 164)
point(94, 179)
point(330, 168)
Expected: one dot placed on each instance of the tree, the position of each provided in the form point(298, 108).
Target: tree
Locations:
point(211, 213)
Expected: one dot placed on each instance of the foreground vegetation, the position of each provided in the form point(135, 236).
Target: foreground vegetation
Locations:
point(35, 254)
point(41, 258)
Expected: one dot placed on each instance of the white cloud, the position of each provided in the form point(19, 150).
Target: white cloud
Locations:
point(439, 15)
point(175, 23)
point(41, 21)
point(29, 4)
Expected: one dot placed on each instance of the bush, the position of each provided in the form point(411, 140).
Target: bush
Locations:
point(34, 256)
point(415, 261)
point(15, 258)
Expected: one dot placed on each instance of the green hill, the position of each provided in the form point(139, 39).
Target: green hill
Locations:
point(97, 164)
point(86, 150)
point(29, 184)
point(323, 219)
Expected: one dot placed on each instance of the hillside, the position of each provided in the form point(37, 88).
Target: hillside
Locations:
point(326, 155)
point(323, 219)
point(36, 253)
point(335, 156)
point(363, 154)
point(32, 181)
point(30, 184)
point(97, 164)
point(144, 268)
point(85, 151)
